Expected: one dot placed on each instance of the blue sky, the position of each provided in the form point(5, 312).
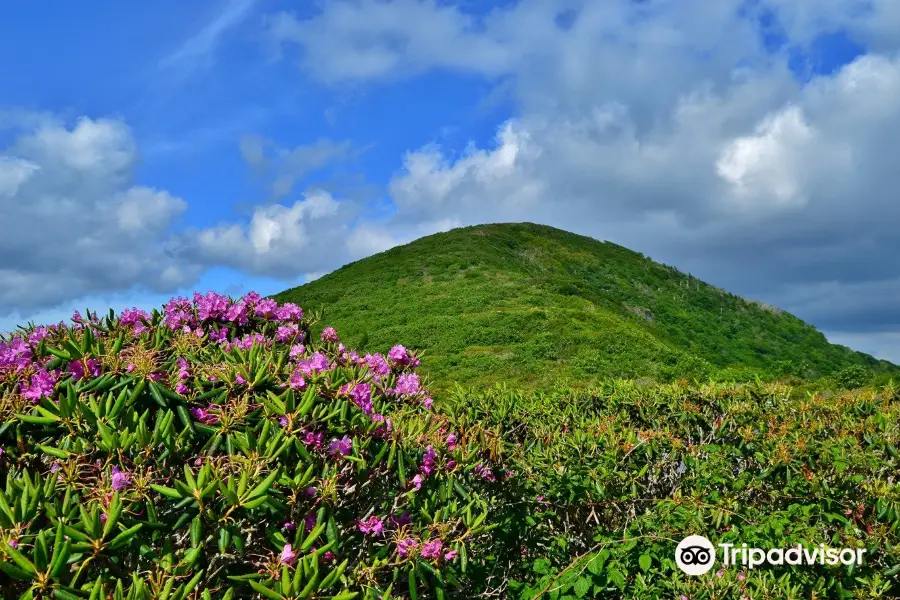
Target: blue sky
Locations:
point(278, 143)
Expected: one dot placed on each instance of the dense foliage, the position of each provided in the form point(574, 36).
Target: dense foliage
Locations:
point(614, 478)
point(529, 305)
point(218, 449)
point(213, 450)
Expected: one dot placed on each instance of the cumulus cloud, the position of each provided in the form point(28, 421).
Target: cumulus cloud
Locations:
point(278, 241)
point(74, 221)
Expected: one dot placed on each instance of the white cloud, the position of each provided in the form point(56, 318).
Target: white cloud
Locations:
point(759, 166)
point(78, 224)
point(13, 173)
point(278, 240)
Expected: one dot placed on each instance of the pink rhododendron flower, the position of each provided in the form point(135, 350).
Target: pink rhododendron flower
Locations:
point(297, 350)
point(398, 355)
point(218, 335)
point(450, 555)
point(251, 298)
point(212, 306)
point(372, 526)
point(93, 367)
point(313, 439)
point(485, 472)
point(288, 556)
point(38, 334)
point(406, 546)
point(76, 369)
point(407, 384)
point(40, 385)
point(183, 368)
point(296, 381)
point(289, 312)
point(120, 479)
point(361, 394)
point(15, 356)
point(266, 308)
point(377, 364)
point(451, 441)
point(134, 317)
point(287, 333)
point(204, 416)
point(237, 313)
point(432, 549)
point(179, 313)
point(316, 363)
point(341, 447)
point(428, 461)
point(417, 481)
point(329, 335)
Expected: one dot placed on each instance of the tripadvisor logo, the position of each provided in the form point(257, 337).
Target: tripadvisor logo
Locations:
point(696, 555)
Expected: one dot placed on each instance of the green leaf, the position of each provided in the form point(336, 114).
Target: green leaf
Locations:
point(582, 586)
point(595, 565)
point(166, 491)
point(20, 560)
point(265, 591)
point(645, 561)
point(37, 420)
point(123, 538)
point(263, 486)
point(16, 572)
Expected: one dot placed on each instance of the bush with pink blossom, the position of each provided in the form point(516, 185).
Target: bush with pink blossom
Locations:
point(212, 449)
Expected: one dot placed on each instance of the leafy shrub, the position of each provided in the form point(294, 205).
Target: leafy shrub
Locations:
point(212, 450)
point(613, 477)
point(853, 376)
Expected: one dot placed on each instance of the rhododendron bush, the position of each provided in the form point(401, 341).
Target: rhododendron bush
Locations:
point(214, 449)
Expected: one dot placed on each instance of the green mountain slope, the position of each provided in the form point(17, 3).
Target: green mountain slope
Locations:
point(529, 304)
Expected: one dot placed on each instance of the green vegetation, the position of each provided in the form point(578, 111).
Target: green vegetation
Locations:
point(529, 305)
point(611, 479)
point(215, 451)
point(227, 449)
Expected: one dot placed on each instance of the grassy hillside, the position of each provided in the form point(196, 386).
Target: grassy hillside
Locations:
point(528, 305)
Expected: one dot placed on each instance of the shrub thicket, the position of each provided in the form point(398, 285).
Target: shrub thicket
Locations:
point(212, 450)
point(612, 479)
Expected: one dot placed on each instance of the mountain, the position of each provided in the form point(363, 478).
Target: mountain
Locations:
point(529, 305)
